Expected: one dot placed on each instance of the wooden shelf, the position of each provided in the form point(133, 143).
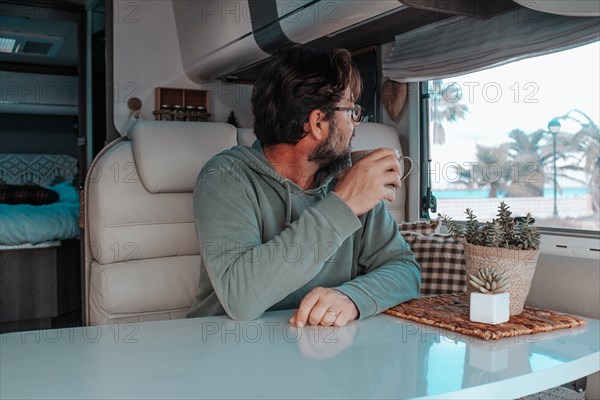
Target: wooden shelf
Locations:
point(179, 97)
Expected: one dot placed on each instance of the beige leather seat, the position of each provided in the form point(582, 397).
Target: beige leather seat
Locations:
point(245, 136)
point(142, 252)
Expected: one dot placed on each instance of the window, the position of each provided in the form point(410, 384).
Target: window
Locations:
point(526, 132)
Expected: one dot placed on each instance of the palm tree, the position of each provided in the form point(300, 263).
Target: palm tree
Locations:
point(533, 161)
point(522, 167)
point(587, 142)
point(445, 106)
point(492, 170)
point(528, 173)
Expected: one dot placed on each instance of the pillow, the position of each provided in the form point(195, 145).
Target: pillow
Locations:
point(26, 194)
point(66, 192)
point(442, 261)
point(423, 227)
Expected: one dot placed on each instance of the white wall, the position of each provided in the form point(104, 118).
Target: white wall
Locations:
point(147, 55)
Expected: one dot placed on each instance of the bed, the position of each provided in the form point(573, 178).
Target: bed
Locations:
point(39, 242)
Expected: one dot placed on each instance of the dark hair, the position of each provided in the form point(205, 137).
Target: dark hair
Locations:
point(296, 81)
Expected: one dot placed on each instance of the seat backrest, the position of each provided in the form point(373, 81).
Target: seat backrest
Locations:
point(142, 252)
point(371, 135)
point(245, 136)
point(367, 135)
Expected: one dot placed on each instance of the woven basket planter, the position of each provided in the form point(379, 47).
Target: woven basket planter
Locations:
point(520, 264)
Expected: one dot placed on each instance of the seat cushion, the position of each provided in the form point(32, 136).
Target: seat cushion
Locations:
point(143, 287)
point(245, 136)
point(126, 222)
point(442, 262)
point(422, 227)
point(169, 161)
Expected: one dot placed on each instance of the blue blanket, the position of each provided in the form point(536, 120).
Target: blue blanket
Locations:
point(25, 223)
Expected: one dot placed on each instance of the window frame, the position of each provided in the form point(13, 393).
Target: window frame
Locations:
point(427, 199)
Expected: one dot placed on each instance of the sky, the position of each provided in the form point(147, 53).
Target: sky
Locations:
point(526, 95)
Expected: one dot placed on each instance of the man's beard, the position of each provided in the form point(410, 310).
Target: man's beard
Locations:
point(328, 156)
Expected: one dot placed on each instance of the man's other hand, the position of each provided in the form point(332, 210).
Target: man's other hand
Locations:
point(326, 307)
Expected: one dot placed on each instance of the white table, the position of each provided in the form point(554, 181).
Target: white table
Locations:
point(380, 357)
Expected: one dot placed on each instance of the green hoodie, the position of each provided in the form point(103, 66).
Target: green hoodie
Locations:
point(265, 242)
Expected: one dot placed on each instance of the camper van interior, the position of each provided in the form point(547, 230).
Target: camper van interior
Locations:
point(109, 110)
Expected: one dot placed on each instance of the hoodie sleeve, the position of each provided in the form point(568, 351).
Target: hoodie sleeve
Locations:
point(392, 274)
point(228, 222)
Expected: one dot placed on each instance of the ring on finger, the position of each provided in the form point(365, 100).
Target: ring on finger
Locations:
point(332, 313)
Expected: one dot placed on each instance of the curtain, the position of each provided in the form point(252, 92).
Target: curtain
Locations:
point(462, 45)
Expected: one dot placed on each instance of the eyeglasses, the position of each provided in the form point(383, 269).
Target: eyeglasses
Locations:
point(356, 111)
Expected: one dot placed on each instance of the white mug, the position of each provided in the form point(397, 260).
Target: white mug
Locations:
point(357, 155)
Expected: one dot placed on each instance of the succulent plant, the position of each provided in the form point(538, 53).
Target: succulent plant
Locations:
point(490, 281)
point(503, 231)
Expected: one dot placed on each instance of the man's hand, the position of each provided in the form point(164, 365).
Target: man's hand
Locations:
point(326, 307)
point(364, 184)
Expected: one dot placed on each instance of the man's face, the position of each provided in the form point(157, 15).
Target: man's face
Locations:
point(333, 154)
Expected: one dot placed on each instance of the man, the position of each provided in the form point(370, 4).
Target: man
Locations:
point(281, 226)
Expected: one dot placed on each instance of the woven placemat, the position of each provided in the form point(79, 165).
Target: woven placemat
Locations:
point(451, 312)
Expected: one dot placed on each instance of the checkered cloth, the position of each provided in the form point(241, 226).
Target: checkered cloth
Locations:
point(442, 261)
point(27, 194)
point(423, 227)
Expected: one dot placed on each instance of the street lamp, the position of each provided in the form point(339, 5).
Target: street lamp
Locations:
point(554, 128)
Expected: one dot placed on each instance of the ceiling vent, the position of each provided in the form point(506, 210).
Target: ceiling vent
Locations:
point(31, 44)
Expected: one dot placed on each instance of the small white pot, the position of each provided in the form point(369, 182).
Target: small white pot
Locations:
point(489, 308)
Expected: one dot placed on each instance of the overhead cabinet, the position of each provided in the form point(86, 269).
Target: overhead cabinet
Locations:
point(217, 38)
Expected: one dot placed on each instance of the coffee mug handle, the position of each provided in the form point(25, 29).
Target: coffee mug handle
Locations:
point(406, 171)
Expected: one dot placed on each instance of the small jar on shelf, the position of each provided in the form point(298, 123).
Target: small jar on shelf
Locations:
point(202, 114)
point(178, 113)
point(166, 113)
point(190, 113)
